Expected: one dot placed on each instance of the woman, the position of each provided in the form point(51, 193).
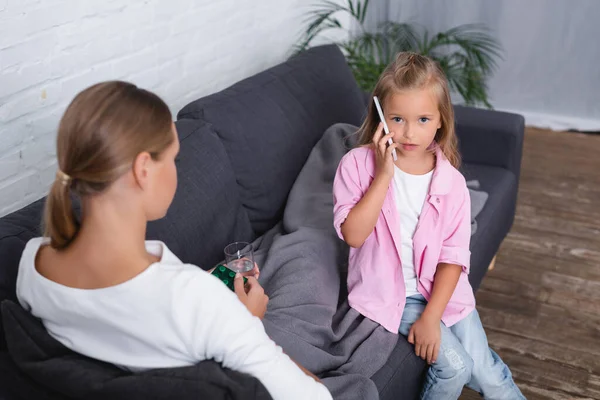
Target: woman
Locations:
point(105, 292)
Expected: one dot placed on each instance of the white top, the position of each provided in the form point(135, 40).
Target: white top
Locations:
point(410, 192)
point(170, 315)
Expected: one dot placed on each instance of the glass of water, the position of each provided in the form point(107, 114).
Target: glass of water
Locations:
point(239, 257)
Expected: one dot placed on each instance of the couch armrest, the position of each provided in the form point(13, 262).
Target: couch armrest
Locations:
point(490, 137)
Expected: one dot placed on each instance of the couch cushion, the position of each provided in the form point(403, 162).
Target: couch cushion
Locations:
point(58, 370)
point(402, 375)
point(15, 230)
point(206, 213)
point(495, 220)
point(270, 122)
point(15, 385)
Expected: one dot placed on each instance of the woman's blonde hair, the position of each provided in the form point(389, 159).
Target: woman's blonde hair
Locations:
point(413, 71)
point(101, 133)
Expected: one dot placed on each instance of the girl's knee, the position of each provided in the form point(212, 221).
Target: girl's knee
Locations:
point(454, 365)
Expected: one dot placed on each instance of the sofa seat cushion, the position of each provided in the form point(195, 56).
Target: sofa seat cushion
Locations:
point(402, 375)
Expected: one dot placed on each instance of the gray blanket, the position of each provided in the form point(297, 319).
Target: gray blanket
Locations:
point(303, 270)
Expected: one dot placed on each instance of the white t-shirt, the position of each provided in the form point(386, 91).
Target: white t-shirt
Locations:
point(410, 192)
point(170, 315)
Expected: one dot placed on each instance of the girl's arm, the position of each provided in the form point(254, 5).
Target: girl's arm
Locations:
point(454, 258)
point(425, 333)
point(355, 216)
point(362, 218)
point(445, 281)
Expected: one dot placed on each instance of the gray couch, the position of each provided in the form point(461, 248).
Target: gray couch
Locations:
point(241, 150)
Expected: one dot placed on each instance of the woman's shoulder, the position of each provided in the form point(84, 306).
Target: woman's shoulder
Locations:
point(31, 251)
point(27, 264)
point(33, 245)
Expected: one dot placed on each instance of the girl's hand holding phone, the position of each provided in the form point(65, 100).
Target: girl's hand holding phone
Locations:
point(384, 161)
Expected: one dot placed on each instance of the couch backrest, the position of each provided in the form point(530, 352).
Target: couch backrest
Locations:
point(206, 213)
point(269, 123)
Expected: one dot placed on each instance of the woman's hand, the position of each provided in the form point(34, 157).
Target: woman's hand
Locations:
point(255, 272)
point(426, 335)
point(384, 161)
point(252, 295)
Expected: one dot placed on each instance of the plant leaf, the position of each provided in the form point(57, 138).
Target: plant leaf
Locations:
point(351, 7)
point(400, 37)
point(364, 13)
point(468, 54)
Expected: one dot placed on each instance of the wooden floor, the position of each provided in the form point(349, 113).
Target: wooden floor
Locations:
point(540, 305)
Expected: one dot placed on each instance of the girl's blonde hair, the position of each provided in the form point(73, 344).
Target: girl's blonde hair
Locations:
point(101, 133)
point(413, 71)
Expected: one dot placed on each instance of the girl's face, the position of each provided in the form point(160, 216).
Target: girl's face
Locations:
point(414, 118)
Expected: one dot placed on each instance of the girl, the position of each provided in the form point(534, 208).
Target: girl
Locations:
point(408, 224)
point(103, 291)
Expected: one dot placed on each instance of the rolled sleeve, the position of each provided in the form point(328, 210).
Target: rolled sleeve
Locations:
point(455, 248)
point(346, 191)
point(339, 217)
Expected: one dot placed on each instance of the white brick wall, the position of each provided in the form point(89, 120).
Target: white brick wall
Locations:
point(181, 49)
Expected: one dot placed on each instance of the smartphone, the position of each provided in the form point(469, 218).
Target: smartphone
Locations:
point(385, 127)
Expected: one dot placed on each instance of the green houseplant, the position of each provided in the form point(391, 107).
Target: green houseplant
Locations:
point(467, 53)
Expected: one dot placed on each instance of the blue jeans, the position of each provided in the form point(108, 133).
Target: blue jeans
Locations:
point(464, 359)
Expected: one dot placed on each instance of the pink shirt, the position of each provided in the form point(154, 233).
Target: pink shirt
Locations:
point(375, 281)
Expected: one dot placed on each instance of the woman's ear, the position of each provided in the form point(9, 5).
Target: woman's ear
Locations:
point(141, 169)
